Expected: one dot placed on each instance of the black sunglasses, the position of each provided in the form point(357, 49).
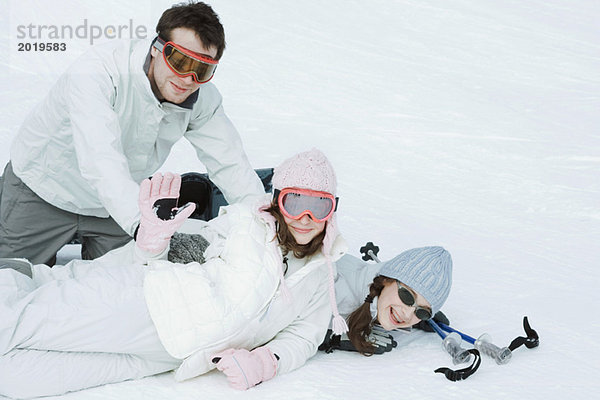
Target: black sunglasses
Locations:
point(407, 298)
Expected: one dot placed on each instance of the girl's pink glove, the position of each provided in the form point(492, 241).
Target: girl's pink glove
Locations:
point(154, 233)
point(244, 368)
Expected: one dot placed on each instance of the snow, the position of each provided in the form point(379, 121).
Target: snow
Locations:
point(471, 125)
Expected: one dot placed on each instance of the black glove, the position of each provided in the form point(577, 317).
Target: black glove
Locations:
point(438, 317)
point(382, 341)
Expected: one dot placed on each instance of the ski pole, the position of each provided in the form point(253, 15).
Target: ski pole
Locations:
point(465, 337)
point(451, 343)
point(531, 341)
point(484, 344)
point(369, 252)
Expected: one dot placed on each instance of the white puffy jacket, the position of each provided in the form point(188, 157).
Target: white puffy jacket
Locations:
point(100, 131)
point(234, 298)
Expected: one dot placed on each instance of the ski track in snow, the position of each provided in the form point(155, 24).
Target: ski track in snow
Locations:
point(472, 125)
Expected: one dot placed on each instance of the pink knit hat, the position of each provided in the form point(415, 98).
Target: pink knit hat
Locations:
point(312, 170)
point(307, 170)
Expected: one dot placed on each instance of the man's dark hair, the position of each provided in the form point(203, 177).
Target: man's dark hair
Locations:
point(198, 17)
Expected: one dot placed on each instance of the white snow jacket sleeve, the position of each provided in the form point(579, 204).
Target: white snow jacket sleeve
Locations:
point(299, 341)
point(97, 141)
point(307, 317)
point(352, 282)
point(223, 155)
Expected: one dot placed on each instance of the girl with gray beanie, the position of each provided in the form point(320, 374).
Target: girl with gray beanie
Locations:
point(254, 304)
point(398, 293)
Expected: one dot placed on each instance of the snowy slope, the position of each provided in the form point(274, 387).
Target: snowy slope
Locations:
point(468, 124)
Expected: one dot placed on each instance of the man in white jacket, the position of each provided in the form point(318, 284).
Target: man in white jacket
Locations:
point(109, 122)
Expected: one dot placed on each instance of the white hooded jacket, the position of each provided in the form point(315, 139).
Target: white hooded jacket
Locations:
point(100, 131)
point(234, 298)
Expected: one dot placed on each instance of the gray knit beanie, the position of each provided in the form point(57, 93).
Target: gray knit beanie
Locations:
point(427, 270)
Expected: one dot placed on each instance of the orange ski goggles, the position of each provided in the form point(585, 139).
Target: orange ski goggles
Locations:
point(184, 62)
point(294, 203)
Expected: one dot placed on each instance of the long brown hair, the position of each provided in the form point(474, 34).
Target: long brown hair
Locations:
point(360, 321)
point(286, 239)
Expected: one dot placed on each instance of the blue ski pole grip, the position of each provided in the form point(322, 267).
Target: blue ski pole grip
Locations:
point(464, 336)
point(500, 355)
point(451, 343)
point(484, 344)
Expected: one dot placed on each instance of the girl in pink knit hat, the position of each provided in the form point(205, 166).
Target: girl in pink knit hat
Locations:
point(254, 302)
